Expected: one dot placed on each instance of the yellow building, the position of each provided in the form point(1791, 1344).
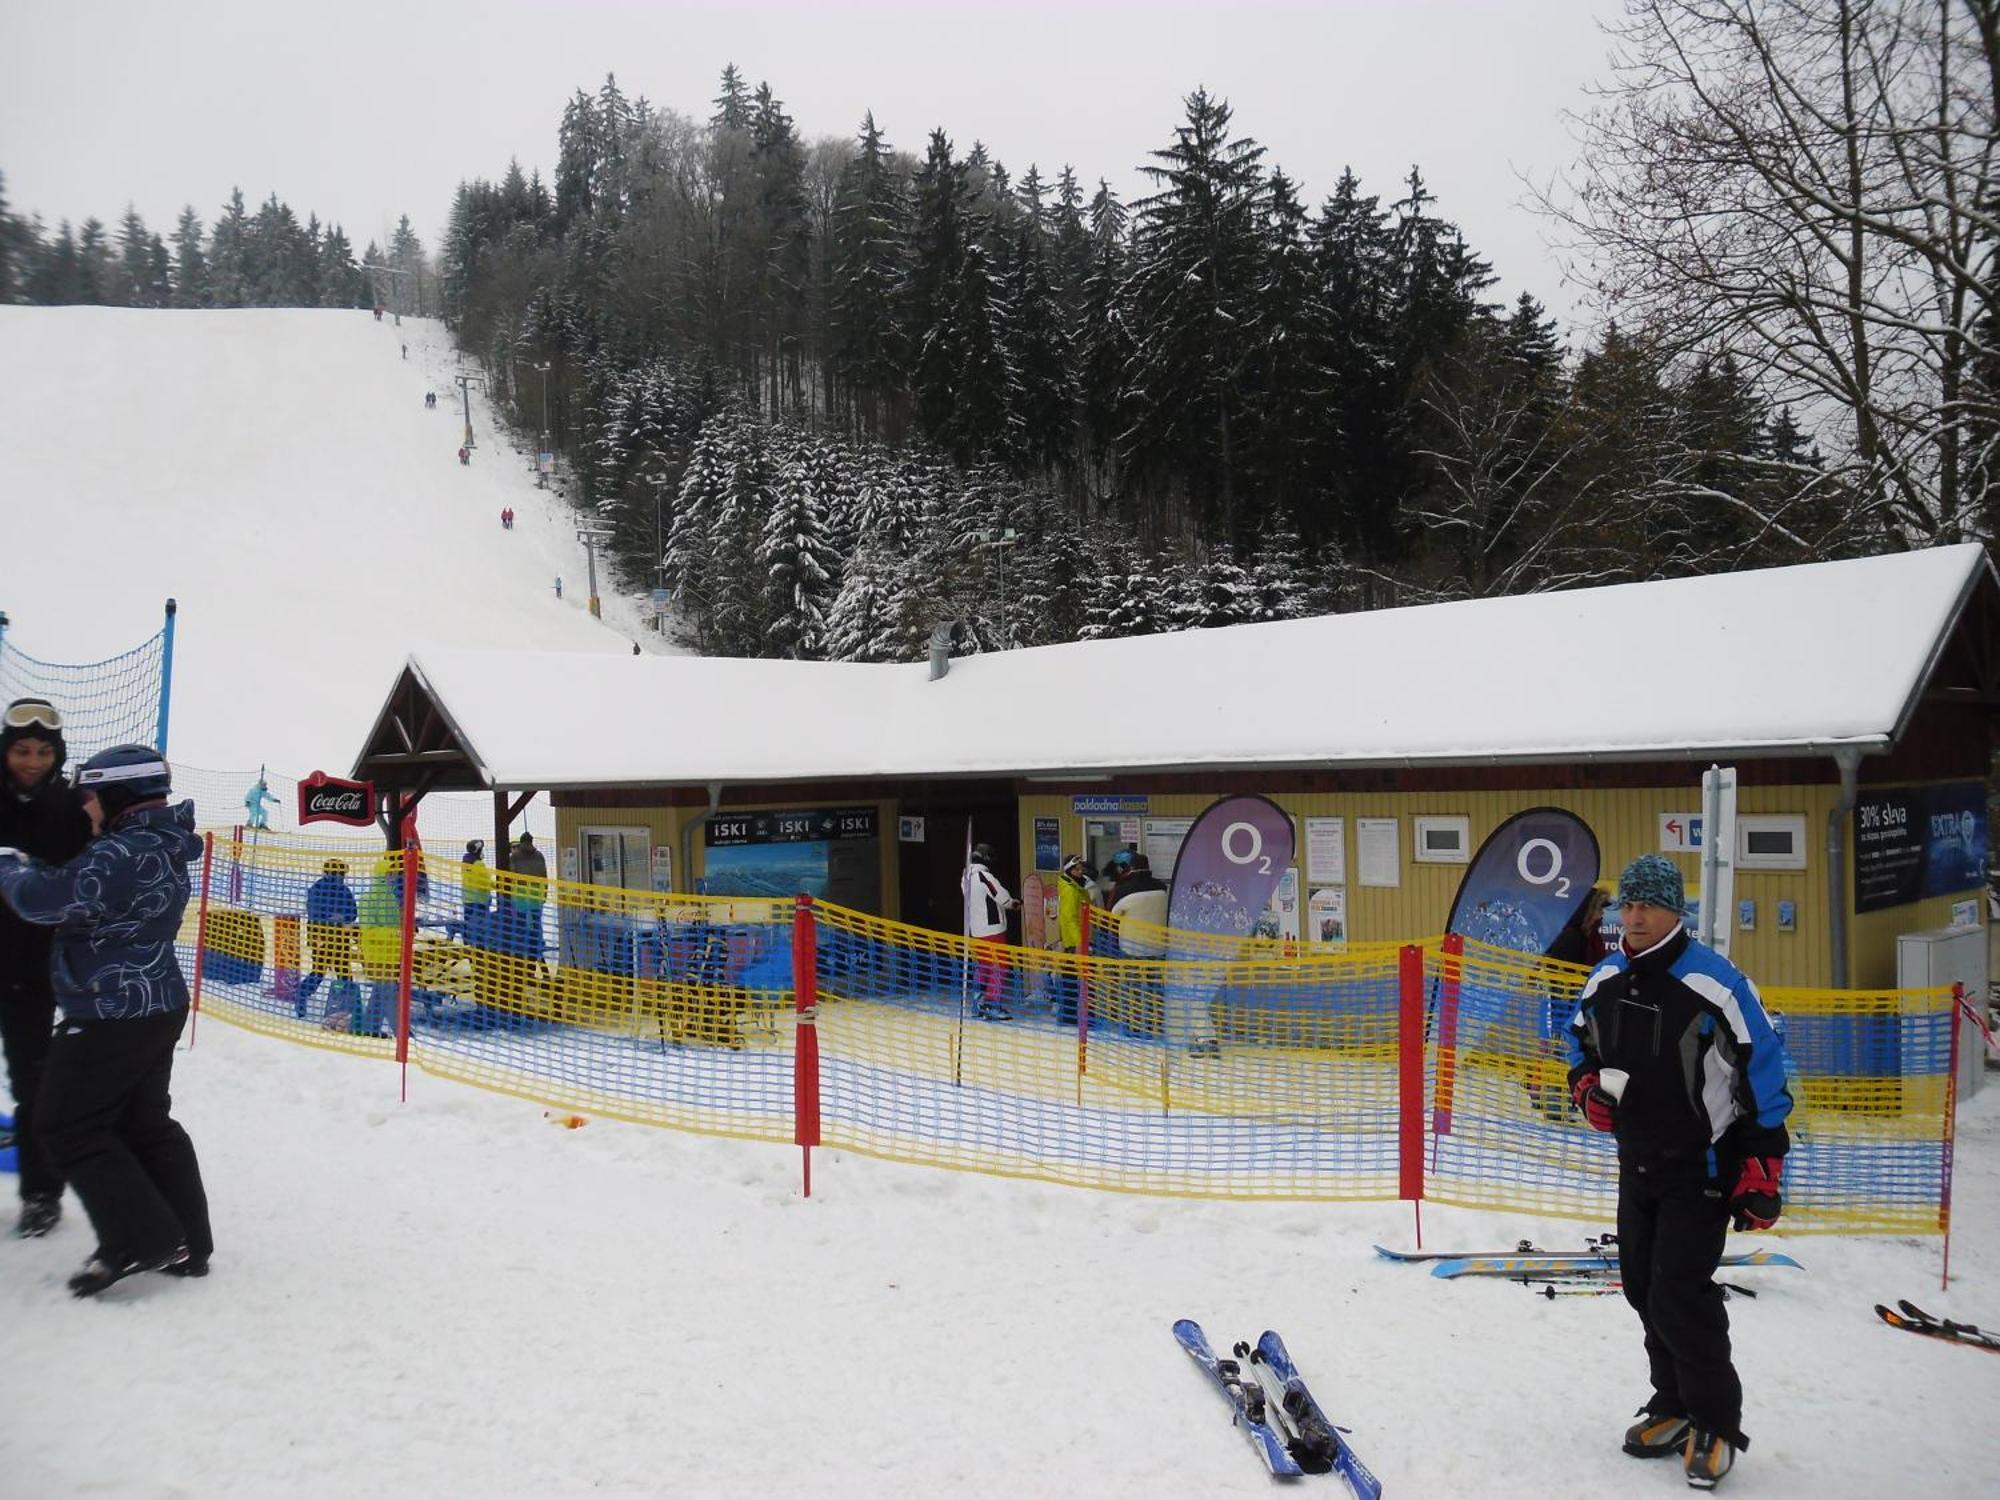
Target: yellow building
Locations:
point(1854, 699)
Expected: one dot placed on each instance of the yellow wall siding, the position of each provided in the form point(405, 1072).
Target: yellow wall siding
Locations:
point(1626, 822)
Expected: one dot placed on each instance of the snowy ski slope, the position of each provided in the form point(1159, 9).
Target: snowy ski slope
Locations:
point(278, 473)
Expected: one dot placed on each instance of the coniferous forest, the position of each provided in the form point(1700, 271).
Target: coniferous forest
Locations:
point(834, 393)
point(243, 259)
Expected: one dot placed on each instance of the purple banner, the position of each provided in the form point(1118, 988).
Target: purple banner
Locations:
point(1229, 866)
point(1527, 880)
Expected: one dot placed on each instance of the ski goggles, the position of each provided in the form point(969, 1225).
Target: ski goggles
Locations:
point(91, 776)
point(26, 713)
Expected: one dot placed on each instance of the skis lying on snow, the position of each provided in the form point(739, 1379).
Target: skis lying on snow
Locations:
point(1565, 1265)
point(1596, 1244)
point(1913, 1319)
point(1314, 1441)
point(1246, 1396)
point(1287, 1427)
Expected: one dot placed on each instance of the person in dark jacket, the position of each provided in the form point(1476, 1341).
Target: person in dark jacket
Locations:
point(1671, 1050)
point(103, 1107)
point(1581, 940)
point(42, 816)
point(332, 939)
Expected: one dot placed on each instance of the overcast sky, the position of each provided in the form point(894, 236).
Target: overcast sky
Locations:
point(365, 110)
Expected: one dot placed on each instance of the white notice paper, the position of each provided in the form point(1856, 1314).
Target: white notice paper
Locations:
point(1164, 837)
point(1326, 851)
point(1376, 851)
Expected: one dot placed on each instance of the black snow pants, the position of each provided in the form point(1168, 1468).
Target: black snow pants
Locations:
point(104, 1116)
point(1673, 1218)
point(27, 1016)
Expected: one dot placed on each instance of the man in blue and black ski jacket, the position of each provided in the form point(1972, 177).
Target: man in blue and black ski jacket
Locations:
point(1672, 1051)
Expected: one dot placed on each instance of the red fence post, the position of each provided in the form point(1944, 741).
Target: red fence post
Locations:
point(1950, 1134)
point(201, 931)
point(1082, 997)
point(1447, 1086)
point(412, 870)
point(1410, 1078)
point(805, 1034)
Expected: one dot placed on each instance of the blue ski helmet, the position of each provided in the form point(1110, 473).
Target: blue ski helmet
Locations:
point(125, 775)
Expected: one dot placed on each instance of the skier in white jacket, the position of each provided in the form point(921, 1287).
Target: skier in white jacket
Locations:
point(987, 902)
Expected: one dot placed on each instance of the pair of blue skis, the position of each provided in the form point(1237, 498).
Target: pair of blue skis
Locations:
point(1275, 1410)
point(1601, 1260)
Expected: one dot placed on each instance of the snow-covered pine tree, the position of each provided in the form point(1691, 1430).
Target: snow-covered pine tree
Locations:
point(741, 604)
point(862, 625)
point(1210, 591)
point(870, 251)
point(799, 564)
point(689, 560)
point(930, 291)
point(1104, 342)
point(1193, 297)
point(1278, 573)
point(1042, 398)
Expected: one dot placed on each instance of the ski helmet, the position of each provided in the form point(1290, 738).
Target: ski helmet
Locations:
point(124, 776)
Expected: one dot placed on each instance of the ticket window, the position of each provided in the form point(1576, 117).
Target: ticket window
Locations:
point(1104, 837)
point(617, 857)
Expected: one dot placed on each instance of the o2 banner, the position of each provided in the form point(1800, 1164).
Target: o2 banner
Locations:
point(1230, 865)
point(1527, 880)
point(1919, 841)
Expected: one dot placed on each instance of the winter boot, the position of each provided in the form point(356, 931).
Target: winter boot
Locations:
point(1709, 1455)
point(38, 1217)
point(99, 1274)
point(1656, 1434)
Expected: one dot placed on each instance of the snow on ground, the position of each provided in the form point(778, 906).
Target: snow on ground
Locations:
point(451, 1297)
point(448, 1297)
point(278, 473)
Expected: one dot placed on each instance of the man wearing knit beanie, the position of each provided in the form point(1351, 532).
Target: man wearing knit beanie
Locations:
point(1671, 1050)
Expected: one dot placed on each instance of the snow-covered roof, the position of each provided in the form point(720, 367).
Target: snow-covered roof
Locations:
point(1780, 661)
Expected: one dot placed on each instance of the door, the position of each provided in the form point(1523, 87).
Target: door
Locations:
point(598, 933)
point(617, 857)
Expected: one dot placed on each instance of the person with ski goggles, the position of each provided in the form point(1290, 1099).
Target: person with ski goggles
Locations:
point(41, 815)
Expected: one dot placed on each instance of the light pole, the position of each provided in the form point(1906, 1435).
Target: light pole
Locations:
point(590, 537)
point(465, 384)
point(541, 478)
point(997, 542)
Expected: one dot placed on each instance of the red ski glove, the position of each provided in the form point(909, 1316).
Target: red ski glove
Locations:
point(1759, 1197)
point(1596, 1105)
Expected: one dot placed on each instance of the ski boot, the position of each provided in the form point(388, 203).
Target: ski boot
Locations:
point(1656, 1434)
point(99, 1274)
point(38, 1217)
point(1709, 1455)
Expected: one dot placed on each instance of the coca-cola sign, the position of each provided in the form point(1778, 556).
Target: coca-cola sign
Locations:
point(329, 799)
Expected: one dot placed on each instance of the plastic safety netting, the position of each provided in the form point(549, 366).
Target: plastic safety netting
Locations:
point(445, 820)
point(120, 700)
point(1369, 1073)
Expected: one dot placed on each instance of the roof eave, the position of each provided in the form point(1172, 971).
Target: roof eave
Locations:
point(1763, 750)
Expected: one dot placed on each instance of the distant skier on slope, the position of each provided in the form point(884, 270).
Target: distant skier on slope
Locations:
point(465, 455)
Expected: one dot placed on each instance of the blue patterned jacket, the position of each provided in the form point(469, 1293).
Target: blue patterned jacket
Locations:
point(116, 909)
